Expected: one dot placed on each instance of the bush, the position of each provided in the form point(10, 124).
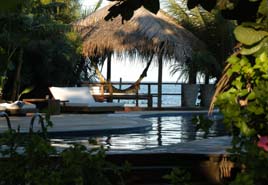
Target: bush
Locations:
point(32, 160)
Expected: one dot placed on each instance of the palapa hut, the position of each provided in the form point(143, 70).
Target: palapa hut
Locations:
point(146, 34)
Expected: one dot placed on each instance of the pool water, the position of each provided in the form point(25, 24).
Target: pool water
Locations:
point(166, 130)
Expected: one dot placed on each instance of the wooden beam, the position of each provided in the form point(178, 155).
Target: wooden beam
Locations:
point(160, 74)
point(109, 67)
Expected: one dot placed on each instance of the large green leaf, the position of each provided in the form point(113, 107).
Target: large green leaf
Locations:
point(251, 50)
point(249, 36)
point(245, 129)
point(251, 96)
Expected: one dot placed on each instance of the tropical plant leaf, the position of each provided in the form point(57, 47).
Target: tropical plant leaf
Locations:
point(249, 36)
point(263, 57)
point(243, 92)
point(25, 91)
point(98, 5)
point(252, 50)
point(263, 8)
point(245, 129)
point(152, 5)
point(233, 59)
point(251, 96)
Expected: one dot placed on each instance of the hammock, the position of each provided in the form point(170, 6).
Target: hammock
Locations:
point(131, 89)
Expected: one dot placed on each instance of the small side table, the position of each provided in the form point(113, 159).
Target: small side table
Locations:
point(50, 105)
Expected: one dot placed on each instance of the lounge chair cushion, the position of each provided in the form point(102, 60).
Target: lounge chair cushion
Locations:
point(78, 96)
point(2, 108)
point(17, 105)
point(18, 108)
point(95, 104)
point(72, 94)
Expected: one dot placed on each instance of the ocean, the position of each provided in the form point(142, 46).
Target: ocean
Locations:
point(171, 94)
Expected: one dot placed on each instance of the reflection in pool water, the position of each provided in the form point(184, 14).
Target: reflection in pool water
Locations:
point(166, 130)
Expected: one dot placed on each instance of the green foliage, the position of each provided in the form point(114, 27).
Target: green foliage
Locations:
point(243, 179)
point(31, 159)
point(249, 36)
point(126, 8)
point(210, 28)
point(202, 62)
point(203, 123)
point(2, 82)
point(244, 102)
point(50, 49)
point(207, 64)
point(243, 98)
point(91, 168)
point(25, 91)
point(179, 176)
point(12, 5)
point(253, 36)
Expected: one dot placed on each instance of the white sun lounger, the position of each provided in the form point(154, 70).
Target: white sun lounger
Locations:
point(2, 108)
point(79, 99)
point(18, 108)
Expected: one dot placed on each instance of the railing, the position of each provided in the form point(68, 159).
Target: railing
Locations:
point(148, 91)
point(5, 115)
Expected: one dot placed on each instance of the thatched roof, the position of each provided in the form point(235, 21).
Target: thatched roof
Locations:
point(144, 34)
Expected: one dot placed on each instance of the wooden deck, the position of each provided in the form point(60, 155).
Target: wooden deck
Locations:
point(101, 92)
point(126, 96)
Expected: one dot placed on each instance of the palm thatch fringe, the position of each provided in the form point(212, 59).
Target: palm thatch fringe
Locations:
point(143, 35)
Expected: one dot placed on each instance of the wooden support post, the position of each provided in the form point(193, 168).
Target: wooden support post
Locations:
point(109, 67)
point(137, 99)
point(109, 71)
point(120, 87)
point(159, 89)
point(150, 97)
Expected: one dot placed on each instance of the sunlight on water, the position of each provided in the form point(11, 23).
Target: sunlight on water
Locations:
point(167, 100)
point(166, 130)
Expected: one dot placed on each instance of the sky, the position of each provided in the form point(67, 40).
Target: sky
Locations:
point(130, 70)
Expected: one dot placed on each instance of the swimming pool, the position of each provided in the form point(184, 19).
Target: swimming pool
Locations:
point(167, 129)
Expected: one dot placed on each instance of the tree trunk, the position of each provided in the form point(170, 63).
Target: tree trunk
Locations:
point(206, 79)
point(109, 67)
point(16, 82)
point(80, 67)
point(192, 76)
point(160, 74)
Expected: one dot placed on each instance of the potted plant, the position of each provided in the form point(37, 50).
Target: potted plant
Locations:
point(202, 64)
point(210, 69)
point(189, 88)
point(206, 93)
point(189, 93)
